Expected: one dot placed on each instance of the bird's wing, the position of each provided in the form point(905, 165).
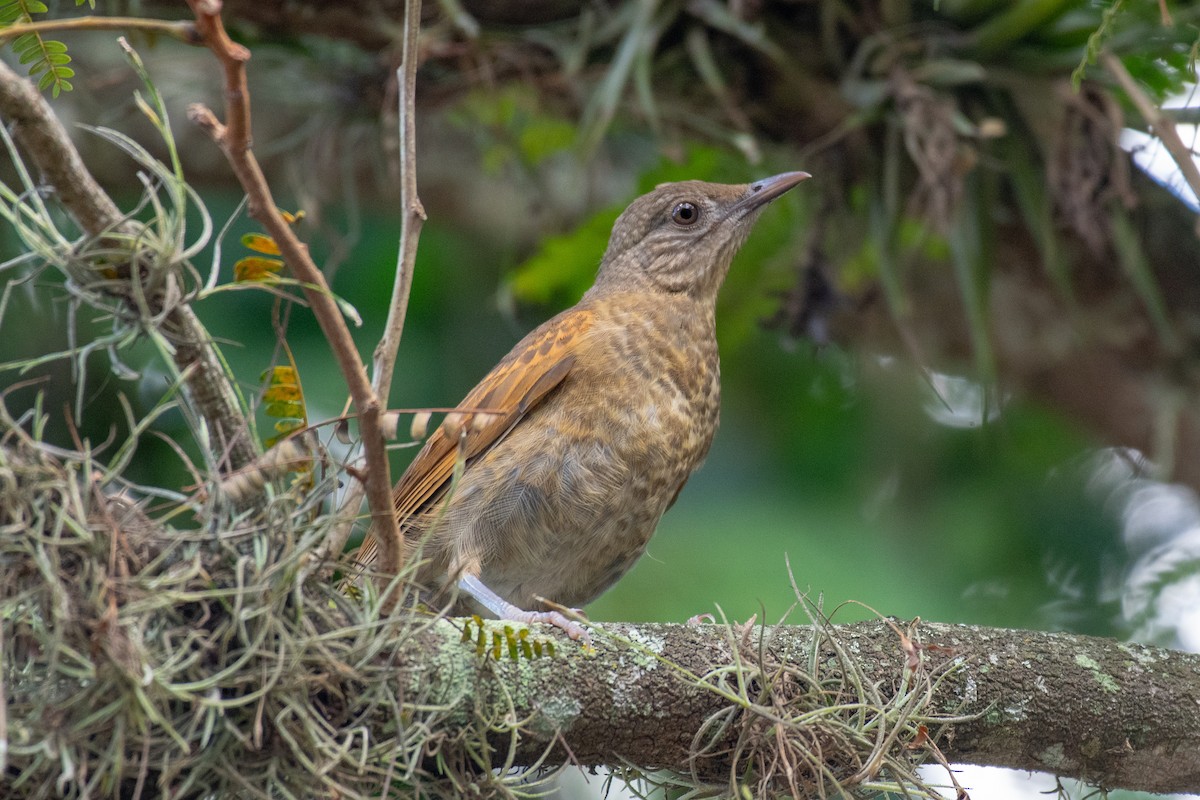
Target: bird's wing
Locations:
point(511, 390)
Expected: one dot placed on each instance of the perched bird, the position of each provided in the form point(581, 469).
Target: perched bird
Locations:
point(578, 441)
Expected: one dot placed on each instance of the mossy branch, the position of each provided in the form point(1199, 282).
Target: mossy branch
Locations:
point(136, 657)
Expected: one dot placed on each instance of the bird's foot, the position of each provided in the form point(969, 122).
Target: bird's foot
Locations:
point(506, 610)
point(559, 620)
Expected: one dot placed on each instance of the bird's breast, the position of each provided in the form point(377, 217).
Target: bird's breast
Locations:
point(657, 372)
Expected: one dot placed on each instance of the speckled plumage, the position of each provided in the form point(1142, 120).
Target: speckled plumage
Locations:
point(599, 415)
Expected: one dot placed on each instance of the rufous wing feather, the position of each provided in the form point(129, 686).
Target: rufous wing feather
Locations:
point(514, 387)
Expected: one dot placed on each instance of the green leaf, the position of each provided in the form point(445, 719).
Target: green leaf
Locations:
point(545, 136)
point(25, 42)
point(1020, 19)
point(1029, 189)
point(10, 14)
point(1095, 42)
point(284, 409)
point(949, 72)
point(970, 256)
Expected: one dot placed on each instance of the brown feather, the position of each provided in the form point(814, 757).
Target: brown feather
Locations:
point(514, 387)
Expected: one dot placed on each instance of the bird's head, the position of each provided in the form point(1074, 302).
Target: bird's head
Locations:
point(681, 237)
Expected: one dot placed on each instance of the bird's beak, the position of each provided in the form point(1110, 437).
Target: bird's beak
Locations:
point(766, 190)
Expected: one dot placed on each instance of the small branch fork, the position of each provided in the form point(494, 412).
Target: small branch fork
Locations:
point(234, 139)
point(384, 360)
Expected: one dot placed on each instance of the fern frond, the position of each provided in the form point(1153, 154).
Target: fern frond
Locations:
point(47, 59)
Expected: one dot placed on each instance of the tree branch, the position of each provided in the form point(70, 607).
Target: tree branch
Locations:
point(183, 30)
point(304, 689)
point(1159, 121)
point(1112, 714)
point(414, 213)
point(233, 138)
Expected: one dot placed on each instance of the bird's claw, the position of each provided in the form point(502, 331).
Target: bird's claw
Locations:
point(559, 620)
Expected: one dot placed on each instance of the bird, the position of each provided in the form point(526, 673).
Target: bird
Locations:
point(544, 485)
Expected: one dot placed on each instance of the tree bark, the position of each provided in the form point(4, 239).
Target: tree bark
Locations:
point(1112, 714)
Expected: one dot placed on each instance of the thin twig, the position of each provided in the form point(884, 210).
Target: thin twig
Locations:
point(384, 363)
point(414, 213)
point(183, 30)
point(233, 138)
point(1161, 122)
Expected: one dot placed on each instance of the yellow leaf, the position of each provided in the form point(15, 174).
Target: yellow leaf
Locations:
point(283, 427)
point(260, 243)
point(255, 269)
point(303, 472)
point(284, 373)
point(283, 393)
point(289, 410)
point(288, 425)
point(290, 218)
point(283, 399)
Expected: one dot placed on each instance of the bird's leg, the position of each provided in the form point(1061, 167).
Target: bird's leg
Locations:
point(506, 610)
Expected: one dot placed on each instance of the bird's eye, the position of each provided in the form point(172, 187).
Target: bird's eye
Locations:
point(685, 214)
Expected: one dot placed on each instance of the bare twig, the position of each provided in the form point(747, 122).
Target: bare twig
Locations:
point(183, 30)
point(414, 213)
point(233, 137)
point(1161, 122)
point(384, 362)
point(290, 454)
point(47, 144)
